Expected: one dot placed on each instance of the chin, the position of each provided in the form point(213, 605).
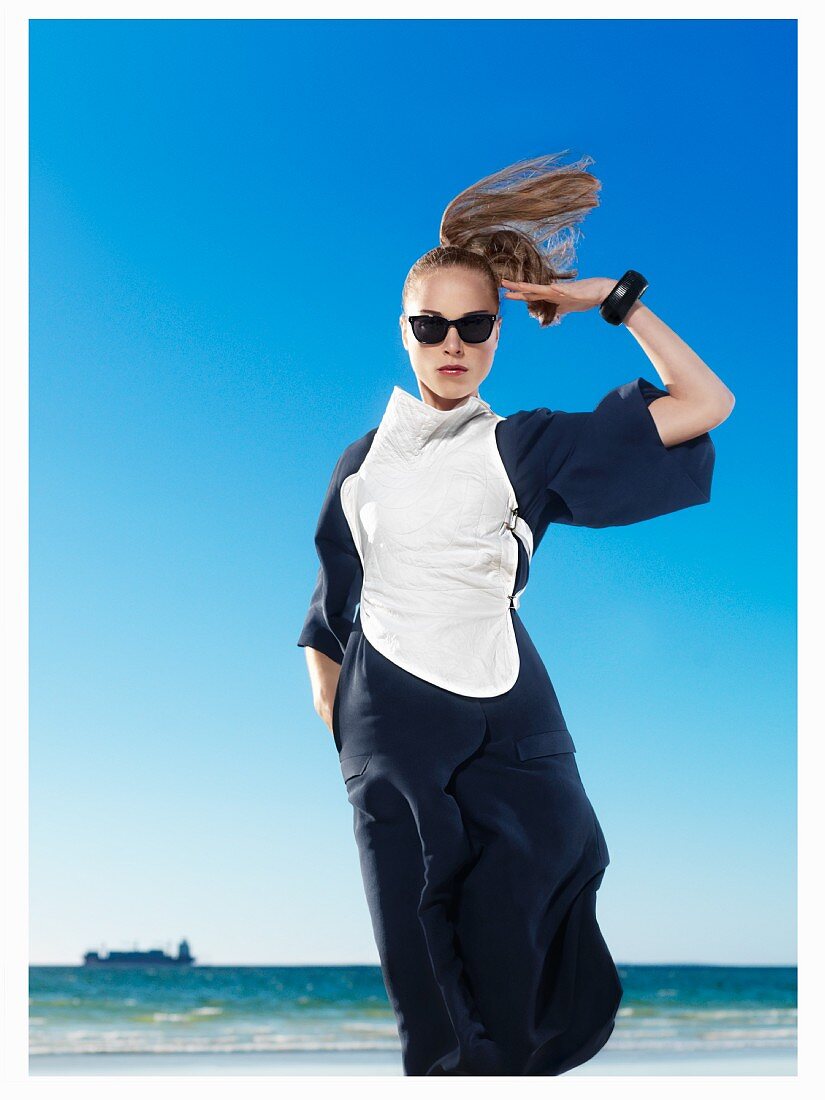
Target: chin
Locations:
point(454, 384)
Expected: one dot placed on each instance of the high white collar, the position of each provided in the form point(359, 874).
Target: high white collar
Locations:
point(408, 419)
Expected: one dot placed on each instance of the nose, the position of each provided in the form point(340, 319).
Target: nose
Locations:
point(452, 341)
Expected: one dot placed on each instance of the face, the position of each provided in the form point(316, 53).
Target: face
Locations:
point(451, 293)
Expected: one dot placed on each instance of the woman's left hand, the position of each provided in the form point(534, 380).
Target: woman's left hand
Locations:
point(568, 295)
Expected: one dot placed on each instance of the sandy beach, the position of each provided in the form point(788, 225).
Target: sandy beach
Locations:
point(387, 1064)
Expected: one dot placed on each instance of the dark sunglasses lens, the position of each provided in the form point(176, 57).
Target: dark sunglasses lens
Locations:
point(429, 330)
point(476, 329)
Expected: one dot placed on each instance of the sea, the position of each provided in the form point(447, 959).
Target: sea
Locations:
point(679, 1011)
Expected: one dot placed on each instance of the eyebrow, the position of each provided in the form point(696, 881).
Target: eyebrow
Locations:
point(469, 312)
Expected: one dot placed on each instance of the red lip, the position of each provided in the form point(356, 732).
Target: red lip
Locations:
point(453, 366)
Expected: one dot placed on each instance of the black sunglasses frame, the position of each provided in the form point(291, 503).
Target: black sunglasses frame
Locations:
point(461, 324)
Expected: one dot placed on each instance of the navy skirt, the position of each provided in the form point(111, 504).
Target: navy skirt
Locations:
point(481, 856)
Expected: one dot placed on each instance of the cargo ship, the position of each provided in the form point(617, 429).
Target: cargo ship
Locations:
point(155, 957)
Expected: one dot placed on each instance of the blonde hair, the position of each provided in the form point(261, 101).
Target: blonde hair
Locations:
point(515, 224)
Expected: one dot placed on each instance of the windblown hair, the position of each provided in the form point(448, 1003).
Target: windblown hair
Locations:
point(518, 223)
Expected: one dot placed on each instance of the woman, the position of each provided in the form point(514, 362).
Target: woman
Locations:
point(480, 851)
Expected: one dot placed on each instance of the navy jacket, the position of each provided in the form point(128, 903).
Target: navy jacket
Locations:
point(604, 468)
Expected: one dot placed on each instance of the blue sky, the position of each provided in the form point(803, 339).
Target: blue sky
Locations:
point(222, 217)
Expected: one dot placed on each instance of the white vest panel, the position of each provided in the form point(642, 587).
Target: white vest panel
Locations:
point(433, 517)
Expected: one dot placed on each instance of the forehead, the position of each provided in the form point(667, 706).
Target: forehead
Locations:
point(451, 292)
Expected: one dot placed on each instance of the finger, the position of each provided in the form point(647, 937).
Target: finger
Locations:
point(543, 294)
point(538, 288)
point(525, 286)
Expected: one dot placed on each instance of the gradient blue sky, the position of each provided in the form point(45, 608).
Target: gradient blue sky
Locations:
point(222, 216)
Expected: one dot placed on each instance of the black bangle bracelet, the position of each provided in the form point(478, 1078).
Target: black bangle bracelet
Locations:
point(624, 294)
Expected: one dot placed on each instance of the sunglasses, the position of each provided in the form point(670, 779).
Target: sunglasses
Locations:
point(473, 328)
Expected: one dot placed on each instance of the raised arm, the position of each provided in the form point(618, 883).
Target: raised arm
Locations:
point(645, 450)
point(697, 399)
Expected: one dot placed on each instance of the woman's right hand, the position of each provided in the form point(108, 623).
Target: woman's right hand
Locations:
point(323, 708)
point(324, 674)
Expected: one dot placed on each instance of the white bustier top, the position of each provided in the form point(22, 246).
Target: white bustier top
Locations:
point(433, 517)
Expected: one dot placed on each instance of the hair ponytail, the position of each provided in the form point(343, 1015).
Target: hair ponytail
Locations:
point(516, 224)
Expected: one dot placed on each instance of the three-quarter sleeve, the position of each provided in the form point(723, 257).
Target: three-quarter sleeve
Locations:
point(330, 618)
point(610, 467)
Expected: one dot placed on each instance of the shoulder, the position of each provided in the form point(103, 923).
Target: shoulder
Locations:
point(353, 455)
point(534, 433)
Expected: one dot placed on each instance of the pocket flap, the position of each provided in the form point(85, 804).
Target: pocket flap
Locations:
point(354, 765)
point(544, 744)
